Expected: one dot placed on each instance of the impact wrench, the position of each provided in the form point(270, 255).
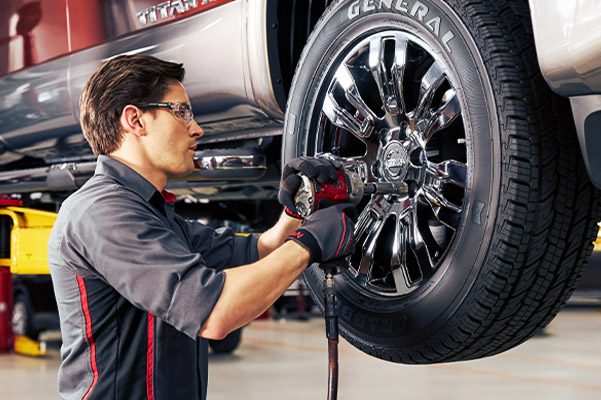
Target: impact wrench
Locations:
point(349, 187)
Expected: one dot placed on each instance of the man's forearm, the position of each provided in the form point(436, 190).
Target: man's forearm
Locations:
point(275, 236)
point(250, 289)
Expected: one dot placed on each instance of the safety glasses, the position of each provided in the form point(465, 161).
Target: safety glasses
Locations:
point(182, 111)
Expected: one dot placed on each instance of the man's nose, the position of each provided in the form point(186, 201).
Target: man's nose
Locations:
point(194, 130)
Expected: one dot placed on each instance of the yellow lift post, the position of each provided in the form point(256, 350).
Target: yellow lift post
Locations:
point(30, 230)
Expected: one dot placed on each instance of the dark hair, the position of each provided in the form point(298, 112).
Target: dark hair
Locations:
point(123, 80)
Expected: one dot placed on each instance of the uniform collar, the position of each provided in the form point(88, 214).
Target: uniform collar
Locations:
point(168, 196)
point(126, 176)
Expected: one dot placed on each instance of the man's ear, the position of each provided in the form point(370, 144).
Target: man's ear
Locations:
point(131, 120)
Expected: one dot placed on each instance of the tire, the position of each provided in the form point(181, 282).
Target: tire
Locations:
point(227, 344)
point(490, 242)
point(22, 320)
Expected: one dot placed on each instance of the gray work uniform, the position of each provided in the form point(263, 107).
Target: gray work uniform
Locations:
point(134, 283)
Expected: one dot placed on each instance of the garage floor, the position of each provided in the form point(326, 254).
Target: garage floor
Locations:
point(288, 359)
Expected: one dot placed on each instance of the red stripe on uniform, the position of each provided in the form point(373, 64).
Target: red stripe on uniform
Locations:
point(150, 357)
point(86, 312)
point(343, 235)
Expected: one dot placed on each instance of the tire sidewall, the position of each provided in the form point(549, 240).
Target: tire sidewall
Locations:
point(406, 319)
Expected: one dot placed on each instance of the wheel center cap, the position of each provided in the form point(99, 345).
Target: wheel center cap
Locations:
point(395, 161)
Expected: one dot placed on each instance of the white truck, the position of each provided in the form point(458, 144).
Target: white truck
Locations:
point(489, 110)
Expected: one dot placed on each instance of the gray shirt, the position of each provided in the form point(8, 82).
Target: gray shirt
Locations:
point(134, 283)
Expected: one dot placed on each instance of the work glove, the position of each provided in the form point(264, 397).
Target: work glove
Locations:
point(327, 233)
point(321, 170)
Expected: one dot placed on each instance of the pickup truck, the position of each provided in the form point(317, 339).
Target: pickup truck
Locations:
point(488, 110)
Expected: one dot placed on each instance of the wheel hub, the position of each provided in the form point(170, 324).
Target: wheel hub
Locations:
point(395, 162)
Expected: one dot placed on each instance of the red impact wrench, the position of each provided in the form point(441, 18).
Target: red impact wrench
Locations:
point(348, 188)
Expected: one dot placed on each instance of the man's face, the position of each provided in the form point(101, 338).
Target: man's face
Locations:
point(171, 141)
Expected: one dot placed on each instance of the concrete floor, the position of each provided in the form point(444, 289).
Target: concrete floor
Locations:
point(288, 359)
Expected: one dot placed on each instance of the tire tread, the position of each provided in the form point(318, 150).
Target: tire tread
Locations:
point(544, 228)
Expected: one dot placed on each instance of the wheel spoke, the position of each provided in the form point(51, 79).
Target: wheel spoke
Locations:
point(431, 81)
point(420, 249)
point(351, 92)
point(448, 111)
point(399, 258)
point(362, 164)
point(438, 200)
point(378, 69)
point(355, 164)
point(366, 220)
point(439, 175)
point(398, 69)
point(369, 248)
point(444, 210)
point(371, 222)
point(388, 81)
point(343, 119)
point(449, 171)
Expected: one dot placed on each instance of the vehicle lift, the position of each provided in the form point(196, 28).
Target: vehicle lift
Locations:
point(23, 241)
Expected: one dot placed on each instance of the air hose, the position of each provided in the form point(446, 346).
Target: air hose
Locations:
point(331, 319)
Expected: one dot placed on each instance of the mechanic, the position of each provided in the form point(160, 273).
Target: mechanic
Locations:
point(140, 289)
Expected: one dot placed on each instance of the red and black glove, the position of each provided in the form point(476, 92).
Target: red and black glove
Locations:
point(321, 170)
point(328, 233)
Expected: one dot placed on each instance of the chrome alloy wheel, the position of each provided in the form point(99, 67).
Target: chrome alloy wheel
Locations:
point(391, 112)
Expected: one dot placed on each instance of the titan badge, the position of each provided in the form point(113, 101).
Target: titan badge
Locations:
point(168, 9)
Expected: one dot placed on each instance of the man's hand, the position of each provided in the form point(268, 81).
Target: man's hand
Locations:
point(328, 233)
point(321, 170)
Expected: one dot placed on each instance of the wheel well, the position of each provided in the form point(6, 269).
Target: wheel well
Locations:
point(294, 21)
point(20, 289)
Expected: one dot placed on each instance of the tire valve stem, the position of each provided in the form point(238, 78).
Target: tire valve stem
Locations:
point(331, 319)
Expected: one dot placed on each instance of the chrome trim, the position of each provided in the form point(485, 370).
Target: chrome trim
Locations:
point(221, 164)
point(227, 164)
point(264, 188)
point(179, 6)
